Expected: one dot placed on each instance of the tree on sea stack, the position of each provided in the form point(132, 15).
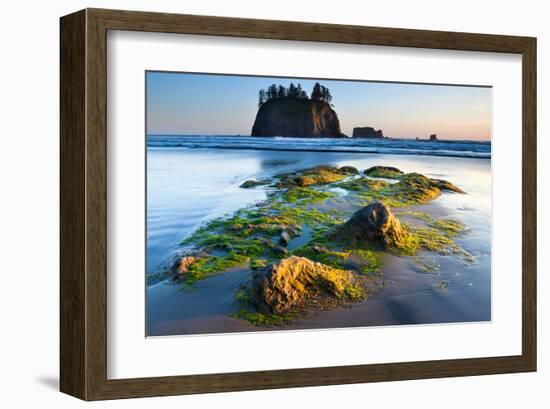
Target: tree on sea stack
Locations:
point(300, 92)
point(325, 93)
point(290, 112)
point(321, 93)
point(316, 94)
point(272, 92)
point(292, 91)
point(261, 98)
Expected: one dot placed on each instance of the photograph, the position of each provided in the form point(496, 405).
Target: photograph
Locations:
point(279, 203)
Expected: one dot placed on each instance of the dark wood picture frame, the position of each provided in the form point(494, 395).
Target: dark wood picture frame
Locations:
point(83, 75)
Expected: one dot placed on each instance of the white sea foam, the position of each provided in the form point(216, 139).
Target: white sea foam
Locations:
point(469, 149)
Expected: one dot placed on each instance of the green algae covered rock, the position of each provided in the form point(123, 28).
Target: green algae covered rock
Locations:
point(372, 223)
point(384, 172)
point(350, 170)
point(253, 183)
point(318, 175)
point(288, 283)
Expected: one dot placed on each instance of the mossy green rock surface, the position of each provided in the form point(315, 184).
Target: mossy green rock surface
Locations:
point(374, 222)
point(289, 282)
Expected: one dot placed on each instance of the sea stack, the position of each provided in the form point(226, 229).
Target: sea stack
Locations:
point(433, 137)
point(294, 117)
point(367, 132)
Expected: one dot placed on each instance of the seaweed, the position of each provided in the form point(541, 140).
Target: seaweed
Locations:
point(259, 319)
point(305, 195)
point(253, 183)
point(209, 265)
point(250, 236)
point(318, 175)
point(411, 189)
point(387, 172)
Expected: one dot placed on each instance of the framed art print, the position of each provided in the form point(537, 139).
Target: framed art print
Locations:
point(251, 204)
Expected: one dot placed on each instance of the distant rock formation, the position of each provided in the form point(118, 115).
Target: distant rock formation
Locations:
point(294, 117)
point(432, 138)
point(367, 132)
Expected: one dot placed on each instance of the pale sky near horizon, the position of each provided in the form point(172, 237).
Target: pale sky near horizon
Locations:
point(206, 104)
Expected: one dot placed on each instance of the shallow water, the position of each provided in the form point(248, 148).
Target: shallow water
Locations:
point(188, 187)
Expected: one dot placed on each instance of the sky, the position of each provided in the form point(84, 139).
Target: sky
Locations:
point(209, 104)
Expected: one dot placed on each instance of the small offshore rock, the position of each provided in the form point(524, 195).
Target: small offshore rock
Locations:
point(284, 239)
point(367, 132)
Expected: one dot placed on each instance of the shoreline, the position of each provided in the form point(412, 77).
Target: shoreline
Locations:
point(225, 147)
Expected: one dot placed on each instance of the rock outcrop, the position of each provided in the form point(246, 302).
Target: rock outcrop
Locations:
point(318, 175)
point(374, 222)
point(284, 238)
point(294, 117)
point(433, 137)
point(384, 172)
point(181, 266)
point(253, 183)
point(367, 132)
point(289, 282)
point(350, 170)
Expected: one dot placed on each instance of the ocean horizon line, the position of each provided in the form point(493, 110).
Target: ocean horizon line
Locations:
point(394, 138)
point(442, 154)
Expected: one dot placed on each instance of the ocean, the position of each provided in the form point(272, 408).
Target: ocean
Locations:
point(464, 149)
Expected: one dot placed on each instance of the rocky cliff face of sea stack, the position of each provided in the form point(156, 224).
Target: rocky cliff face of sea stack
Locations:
point(367, 132)
point(296, 118)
